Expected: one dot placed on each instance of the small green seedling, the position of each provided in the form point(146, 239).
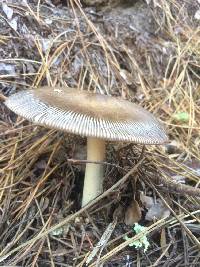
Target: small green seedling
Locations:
point(142, 242)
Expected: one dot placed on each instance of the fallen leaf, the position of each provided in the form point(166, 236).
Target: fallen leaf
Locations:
point(133, 213)
point(156, 208)
point(157, 211)
point(118, 214)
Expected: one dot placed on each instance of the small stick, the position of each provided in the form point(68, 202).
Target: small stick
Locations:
point(102, 242)
point(77, 161)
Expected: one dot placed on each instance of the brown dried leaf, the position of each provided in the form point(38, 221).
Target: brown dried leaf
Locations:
point(133, 213)
point(118, 214)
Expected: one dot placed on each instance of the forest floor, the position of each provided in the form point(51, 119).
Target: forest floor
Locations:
point(145, 51)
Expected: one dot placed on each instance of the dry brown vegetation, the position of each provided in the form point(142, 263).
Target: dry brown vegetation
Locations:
point(147, 53)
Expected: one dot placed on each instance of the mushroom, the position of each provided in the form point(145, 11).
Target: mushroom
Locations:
point(96, 116)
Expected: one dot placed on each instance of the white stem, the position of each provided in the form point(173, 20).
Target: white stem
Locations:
point(93, 172)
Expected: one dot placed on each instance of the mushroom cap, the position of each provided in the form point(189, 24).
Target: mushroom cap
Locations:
point(88, 114)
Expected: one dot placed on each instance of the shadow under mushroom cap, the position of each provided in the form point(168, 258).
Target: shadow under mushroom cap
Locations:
point(88, 114)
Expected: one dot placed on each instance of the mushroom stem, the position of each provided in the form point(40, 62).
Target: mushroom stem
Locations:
point(93, 172)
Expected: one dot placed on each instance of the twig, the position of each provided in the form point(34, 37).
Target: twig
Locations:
point(102, 242)
point(177, 218)
point(43, 232)
point(77, 161)
point(173, 186)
